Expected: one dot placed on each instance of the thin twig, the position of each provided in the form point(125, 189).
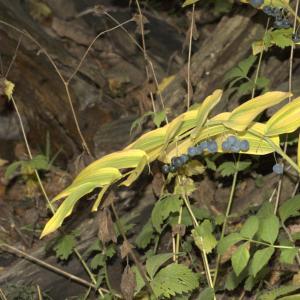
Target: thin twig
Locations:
point(189, 59)
point(131, 252)
point(51, 267)
point(2, 295)
point(290, 99)
point(39, 292)
point(30, 155)
point(229, 204)
point(260, 60)
point(14, 57)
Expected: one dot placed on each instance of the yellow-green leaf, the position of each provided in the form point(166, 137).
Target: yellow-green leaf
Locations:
point(165, 83)
point(121, 160)
point(285, 120)
point(98, 178)
point(99, 197)
point(208, 104)
point(66, 208)
point(242, 116)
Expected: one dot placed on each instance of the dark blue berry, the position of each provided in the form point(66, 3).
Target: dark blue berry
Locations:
point(193, 151)
point(244, 145)
point(278, 169)
point(212, 146)
point(203, 145)
point(184, 158)
point(165, 169)
point(282, 23)
point(225, 146)
point(268, 10)
point(173, 169)
point(256, 3)
point(235, 147)
point(232, 140)
point(176, 162)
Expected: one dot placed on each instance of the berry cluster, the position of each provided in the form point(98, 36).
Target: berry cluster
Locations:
point(281, 22)
point(278, 169)
point(233, 144)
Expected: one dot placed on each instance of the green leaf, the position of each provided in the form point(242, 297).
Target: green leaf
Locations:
point(139, 122)
point(11, 169)
point(287, 256)
point(233, 281)
point(269, 228)
point(282, 37)
point(243, 165)
point(246, 64)
point(174, 279)
point(98, 261)
point(158, 118)
point(277, 292)
point(163, 208)
point(140, 283)
point(289, 208)
point(227, 168)
point(245, 88)
point(203, 237)
point(240, 258)
point(65, 246)
point(228, 241)
point(39, 162)
point(266, 210)
point(260, 259)
point(153, 263)
point(207, 294)
point(145, 236)
point(250, 227)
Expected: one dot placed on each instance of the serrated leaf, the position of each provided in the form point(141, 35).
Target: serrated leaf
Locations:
point(245, 88)
point(139, 121)
point(228, 241)
point(194, 167)
point(246, 64)
point(145, 236)
point(266, 210)
point(282, 37)
point(184, 186)
point(98, 261)
point(174, 279)
point(260, 259)
point(203, 237)
point(243, 115)
point(65, 246)
point(163, 208)
point(154, 262)
point(240, 258)
point(285, 120)
point(227, 168)
point(268, 229)
point(289, 208)
point(250, 227)
point(243, 165)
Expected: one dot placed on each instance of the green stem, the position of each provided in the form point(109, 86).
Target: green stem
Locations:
point(229, 204)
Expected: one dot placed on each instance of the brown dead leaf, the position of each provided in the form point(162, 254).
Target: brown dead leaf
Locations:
point(125, 249)
point(157, 184)
point(178, 229)
point(295, 228)
point(128, 283)
point(106, 232)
